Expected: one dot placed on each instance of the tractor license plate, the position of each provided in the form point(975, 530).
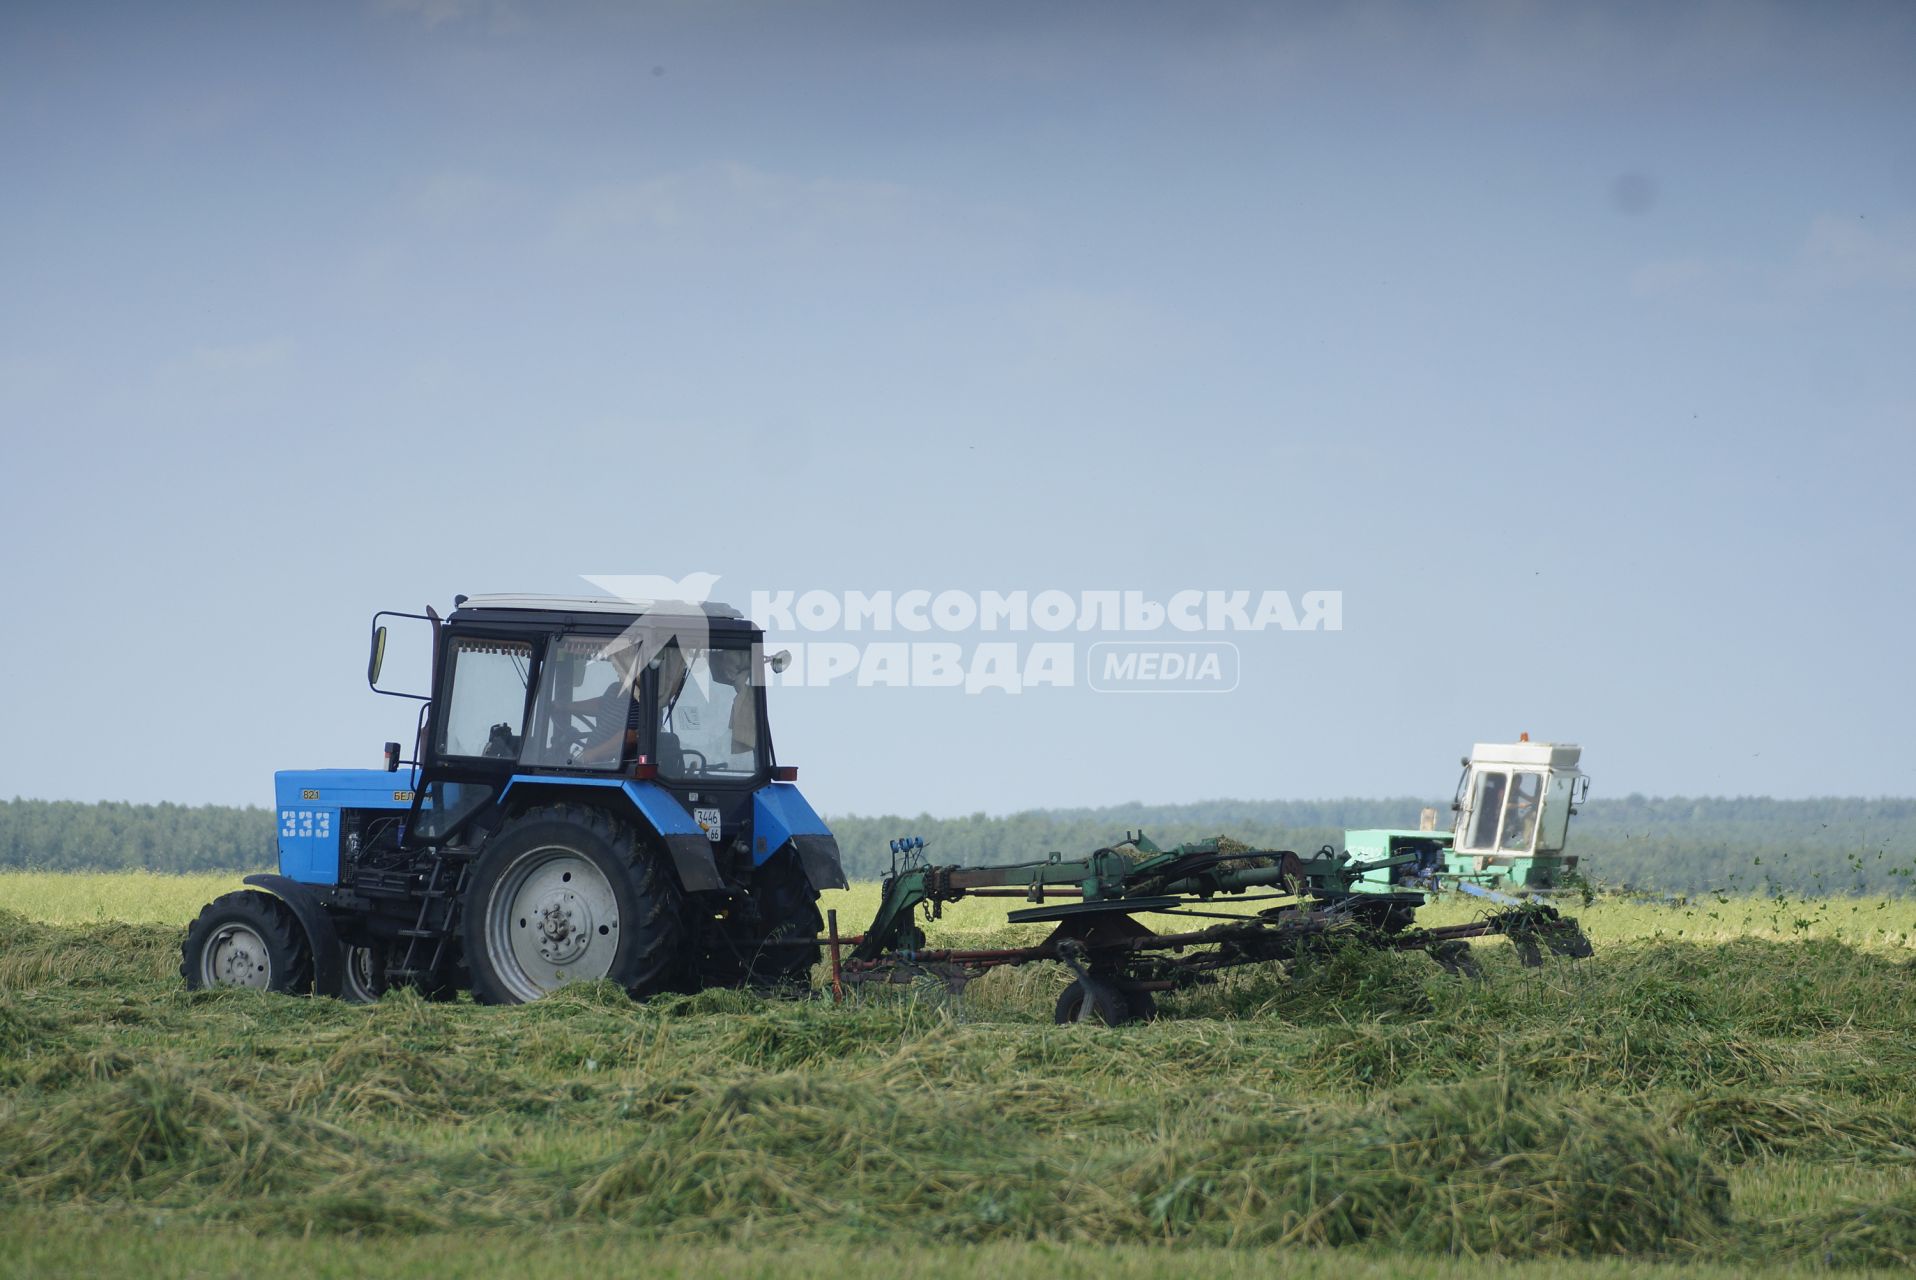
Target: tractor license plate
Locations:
point(708, 819)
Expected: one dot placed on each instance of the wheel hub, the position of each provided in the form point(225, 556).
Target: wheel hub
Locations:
point(237, 957)
point(565, 927)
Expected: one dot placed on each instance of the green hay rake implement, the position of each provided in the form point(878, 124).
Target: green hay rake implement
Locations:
point(1299, 907)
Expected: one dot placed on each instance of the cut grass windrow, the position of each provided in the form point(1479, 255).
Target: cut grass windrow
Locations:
point(1608, 1108)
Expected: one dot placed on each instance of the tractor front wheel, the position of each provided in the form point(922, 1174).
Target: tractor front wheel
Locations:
point(247, 939)
point(363, 973)
point(566, 894)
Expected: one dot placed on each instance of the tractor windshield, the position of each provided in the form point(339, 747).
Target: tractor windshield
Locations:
point(1520, 815)
point(708, 714)
point(486, 708)
point(1503, 810)
point(1486, 809)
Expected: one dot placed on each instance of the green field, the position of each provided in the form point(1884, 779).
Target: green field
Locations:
point(1723, 1088)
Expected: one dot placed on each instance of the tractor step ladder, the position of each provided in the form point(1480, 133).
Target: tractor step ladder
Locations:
point(445, 887)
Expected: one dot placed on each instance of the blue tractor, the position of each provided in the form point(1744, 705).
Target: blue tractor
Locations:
point(593, 796)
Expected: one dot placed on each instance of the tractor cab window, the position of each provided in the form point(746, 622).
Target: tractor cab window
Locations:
point(584, 704)
point(1486, 809)
point(1520, 814)
point(485, 712)
point(444, 805)
point(708, 714)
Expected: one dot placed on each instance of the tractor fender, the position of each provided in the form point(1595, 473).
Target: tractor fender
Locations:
point(692, 859)
point(685, 841)
point(781, 816)
point(818, 856)
point(328, 972)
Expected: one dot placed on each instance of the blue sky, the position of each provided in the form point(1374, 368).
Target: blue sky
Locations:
point(1570, 343)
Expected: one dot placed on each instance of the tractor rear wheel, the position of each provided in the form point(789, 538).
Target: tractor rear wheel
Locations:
point(247, 939)
point(566, 894)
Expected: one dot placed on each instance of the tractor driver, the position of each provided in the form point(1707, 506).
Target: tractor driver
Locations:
point(733, 668)
point(1520, 817)
point(602, 743)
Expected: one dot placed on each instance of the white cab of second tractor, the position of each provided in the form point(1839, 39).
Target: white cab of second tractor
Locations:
point(1513, 809)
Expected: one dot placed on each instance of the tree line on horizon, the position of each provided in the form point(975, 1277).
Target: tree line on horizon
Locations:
point(1658, 844)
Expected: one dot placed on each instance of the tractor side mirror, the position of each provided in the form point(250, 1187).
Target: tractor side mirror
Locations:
point(409, 658)
point(378, 659)
point(779, 661)
point(1579, 792)
point(392, 757)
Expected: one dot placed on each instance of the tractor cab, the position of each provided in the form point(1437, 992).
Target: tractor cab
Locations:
point(545, 696)
point(1513, 809)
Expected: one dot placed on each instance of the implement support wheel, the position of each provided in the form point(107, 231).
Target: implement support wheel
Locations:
point(1089, 1000)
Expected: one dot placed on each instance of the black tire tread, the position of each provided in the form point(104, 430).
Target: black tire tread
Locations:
point(783, 955)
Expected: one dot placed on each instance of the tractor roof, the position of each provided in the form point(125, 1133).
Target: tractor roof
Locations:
point(562, 610)
point(1558, 755)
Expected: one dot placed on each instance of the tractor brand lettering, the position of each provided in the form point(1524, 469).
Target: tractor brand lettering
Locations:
point(309, 794)
point(404, 797)
point(1144, 667)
